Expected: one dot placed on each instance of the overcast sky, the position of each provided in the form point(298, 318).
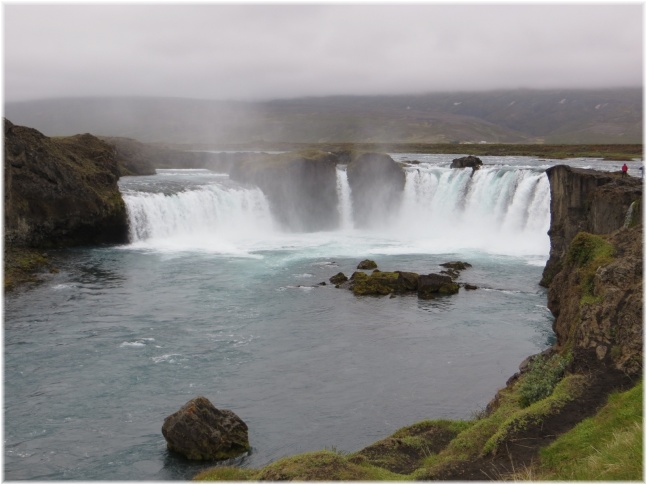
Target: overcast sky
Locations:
point(239, 51)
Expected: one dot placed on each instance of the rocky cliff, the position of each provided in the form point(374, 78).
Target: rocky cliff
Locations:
point(595, 271)
point(377, 185)
point(60, 191)
point(301, 187)
point(590, 201)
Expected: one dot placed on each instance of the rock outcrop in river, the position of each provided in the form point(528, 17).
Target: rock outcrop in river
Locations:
point(301, 187)
point(376, 183)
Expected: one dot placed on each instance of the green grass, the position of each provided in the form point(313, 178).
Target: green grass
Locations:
point(607, 446)
point(568, 389)
point(322, 465)
point(543, 376)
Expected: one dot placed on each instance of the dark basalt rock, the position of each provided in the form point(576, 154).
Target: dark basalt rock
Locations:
point(301, 187)
point(454, 268)
point(199, 431)
point(432, 285)
point(338, 279)
point(383, 282)
point(367, 264)
point(60, 191)
point(589, 201)
point(377, 184)
point(469, 161)
point(400, 282)
point(456, 265)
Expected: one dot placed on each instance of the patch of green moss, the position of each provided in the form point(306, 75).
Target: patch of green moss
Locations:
point(22, 266)
point(588, 252)
point(587, 248)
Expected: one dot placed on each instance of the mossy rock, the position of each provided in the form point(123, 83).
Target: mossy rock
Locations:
point(367, 264)
point(384, 282)
point(338, 279)
point(432, 285)
point(456, 265)
point(24, 266)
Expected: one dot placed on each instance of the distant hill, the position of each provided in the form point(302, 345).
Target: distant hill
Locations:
point(518, 116)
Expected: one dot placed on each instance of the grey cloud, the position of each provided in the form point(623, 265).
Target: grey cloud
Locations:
point(265, 51)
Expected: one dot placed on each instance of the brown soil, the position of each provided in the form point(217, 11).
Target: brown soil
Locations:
point(522, 450)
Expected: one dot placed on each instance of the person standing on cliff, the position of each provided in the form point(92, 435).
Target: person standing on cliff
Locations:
point(624, 170)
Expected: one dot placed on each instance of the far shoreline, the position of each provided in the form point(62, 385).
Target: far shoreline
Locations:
point(610, 152)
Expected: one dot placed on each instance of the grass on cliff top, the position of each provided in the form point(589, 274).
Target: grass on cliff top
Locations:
point(607, 446)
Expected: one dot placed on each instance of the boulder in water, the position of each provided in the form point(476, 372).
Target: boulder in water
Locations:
point(456, 265)
point(383, 282)
point(199, 431)
point(432, 285)
point(454, 268)
point(469, 161)
point(367, 264)
point(338, 279)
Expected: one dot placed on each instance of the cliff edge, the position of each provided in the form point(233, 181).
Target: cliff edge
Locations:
point(590, 201)
point(58, 192)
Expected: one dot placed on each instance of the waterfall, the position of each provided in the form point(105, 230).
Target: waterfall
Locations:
point(488, 209)
point(345, 206)
point(499, 209)
point(630, 215)
point(211, 217)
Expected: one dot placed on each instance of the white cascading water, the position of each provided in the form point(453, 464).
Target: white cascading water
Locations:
point(345, 202)
point(211, 217)
point(495, 209)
